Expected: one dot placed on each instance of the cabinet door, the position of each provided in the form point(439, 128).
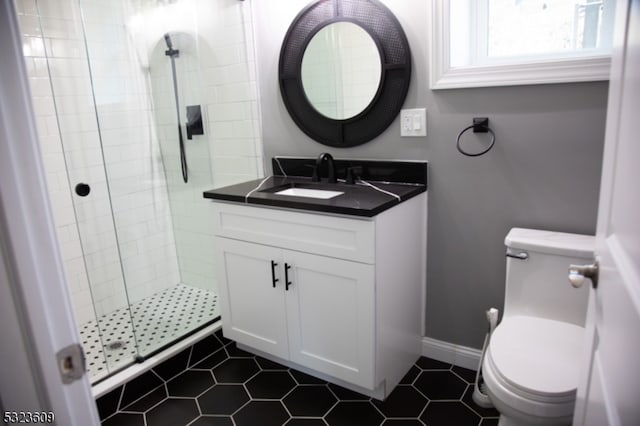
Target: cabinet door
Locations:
point(330, 312)
point(253, 309)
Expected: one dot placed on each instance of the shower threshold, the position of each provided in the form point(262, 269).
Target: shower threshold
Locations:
point(112, 343)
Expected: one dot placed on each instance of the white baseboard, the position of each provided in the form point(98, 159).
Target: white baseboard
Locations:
point(461, 356)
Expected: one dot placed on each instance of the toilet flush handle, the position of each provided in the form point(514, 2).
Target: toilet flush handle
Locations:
point(522, 255)
point(577, 274)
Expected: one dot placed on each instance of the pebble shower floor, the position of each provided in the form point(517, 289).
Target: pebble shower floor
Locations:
point(112, 342)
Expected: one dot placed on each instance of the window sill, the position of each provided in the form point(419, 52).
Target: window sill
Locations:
point(557, 71)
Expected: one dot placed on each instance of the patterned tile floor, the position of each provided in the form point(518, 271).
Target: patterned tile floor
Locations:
point(117, 338)
point(233, 387)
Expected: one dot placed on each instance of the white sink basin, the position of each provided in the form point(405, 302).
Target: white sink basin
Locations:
point(310, 193)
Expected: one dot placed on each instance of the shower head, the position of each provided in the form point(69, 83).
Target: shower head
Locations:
point(171, 52)
point(167, 39)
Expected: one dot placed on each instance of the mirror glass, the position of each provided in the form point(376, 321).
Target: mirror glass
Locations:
point(341, 70)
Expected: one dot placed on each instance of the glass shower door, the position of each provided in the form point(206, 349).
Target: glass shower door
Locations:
point(136, 239)
point(76, 176)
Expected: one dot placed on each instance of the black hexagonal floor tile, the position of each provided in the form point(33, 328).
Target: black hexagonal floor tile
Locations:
point(410, 376)
point(266, 364)
point(263, 413)
point(108, 403)
point(309, 401)
point(173, 412)
point(432, 393)
point(235, 352)
point(305, 422)
point(305, 379)
point(440, 385)
point(446, 413)
point(125, 419)
point(270, 384)
point(432, 364)
point(203, 349)
point(345, 394)
point(223, 399)
point(212, 360)
point(402, 422)
point(235, 370)
point(467, 375)
point(349, 413)
point(139, 387)
point(484, 412)
point(148, 401)
point(212, 421)
point(174, 365)
point(404, 401)
point(191, 383)
point(222, 339)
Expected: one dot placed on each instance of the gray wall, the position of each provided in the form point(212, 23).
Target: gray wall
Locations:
point(543, 172)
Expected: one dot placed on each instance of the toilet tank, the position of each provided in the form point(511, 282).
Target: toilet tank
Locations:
point(538, 285)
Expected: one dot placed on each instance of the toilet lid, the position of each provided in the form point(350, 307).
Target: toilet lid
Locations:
point(537, 355)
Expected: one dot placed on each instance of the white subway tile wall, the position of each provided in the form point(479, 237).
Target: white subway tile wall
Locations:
point(216, 70)
point(121, 137)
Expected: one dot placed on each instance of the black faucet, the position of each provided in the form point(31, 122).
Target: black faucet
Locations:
point(331, 178)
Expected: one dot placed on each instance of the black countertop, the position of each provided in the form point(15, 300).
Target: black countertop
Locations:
point(405, 179)
point(357, 199)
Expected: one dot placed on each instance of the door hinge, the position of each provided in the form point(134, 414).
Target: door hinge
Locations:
point(71, 363)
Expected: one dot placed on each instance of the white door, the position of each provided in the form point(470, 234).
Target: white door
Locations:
point(610, 390)
point(36, 319)
point(252, 295)
point(330, 312)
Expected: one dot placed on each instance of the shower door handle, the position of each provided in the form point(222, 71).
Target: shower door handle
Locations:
point(82, 189)
point(274, 280)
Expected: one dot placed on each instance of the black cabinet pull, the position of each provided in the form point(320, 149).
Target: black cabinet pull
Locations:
point(287, 283)
point(274, 280)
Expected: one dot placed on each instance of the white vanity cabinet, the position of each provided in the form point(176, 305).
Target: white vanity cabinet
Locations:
point(340, 297)
point(322, 319)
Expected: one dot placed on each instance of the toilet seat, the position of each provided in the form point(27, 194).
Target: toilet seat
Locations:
point(532, 365)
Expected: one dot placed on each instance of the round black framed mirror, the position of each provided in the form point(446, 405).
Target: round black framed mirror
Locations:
point(341, 70)
point(359, 121)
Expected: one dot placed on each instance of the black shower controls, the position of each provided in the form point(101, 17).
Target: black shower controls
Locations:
point(194, 121)
point(82, 189)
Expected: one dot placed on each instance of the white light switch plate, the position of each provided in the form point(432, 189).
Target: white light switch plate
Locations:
point(413, 122)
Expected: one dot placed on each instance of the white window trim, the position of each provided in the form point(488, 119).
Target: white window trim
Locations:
point(442, 76)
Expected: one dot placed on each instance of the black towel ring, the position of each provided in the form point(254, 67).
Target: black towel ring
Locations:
point(478, 126)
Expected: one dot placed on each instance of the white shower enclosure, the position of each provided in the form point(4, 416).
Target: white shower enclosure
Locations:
point(136, 239)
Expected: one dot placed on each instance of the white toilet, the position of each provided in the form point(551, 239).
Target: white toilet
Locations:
point(532, 363)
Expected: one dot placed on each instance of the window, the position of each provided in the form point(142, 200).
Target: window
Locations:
point(507, 42)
